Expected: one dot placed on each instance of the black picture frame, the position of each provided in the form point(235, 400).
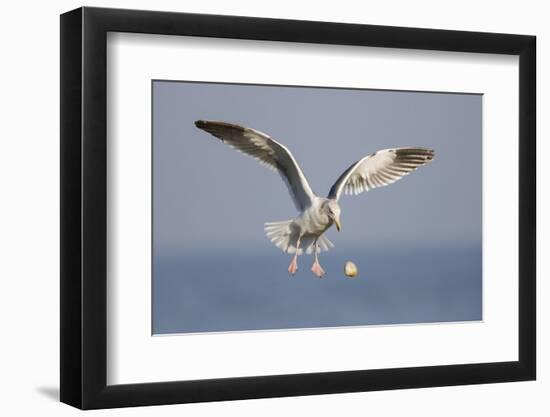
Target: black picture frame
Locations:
point(84, 207)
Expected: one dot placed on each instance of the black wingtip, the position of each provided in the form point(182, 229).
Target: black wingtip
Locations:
point(201, 124)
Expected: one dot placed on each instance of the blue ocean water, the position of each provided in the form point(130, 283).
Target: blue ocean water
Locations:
point(221, 291)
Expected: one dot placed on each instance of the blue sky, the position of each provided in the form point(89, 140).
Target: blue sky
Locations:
point(207, 194)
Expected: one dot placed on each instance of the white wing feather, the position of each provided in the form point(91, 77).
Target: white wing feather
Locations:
point(379, 169)
point(267, 152)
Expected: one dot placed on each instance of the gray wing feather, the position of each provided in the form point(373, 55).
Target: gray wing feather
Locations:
point(267, 152)
point(379, 169)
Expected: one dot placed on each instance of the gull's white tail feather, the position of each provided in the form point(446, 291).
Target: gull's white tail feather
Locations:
point(285, 234)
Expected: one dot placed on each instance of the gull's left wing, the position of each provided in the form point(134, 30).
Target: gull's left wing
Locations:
point(380, 168)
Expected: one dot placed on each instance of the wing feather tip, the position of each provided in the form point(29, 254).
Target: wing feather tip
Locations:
point(201, 124)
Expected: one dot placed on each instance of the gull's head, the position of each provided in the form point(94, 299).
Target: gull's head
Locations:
point(333, 211)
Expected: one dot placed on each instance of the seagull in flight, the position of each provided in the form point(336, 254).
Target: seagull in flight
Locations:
point(305, 233)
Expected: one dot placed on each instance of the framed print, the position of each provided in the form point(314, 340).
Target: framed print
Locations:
point(397, 208)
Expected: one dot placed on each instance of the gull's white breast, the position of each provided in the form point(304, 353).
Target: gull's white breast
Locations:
point(313, 220)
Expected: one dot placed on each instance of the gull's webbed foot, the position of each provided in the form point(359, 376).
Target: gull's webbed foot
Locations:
point(317, 270)
point(293, 267)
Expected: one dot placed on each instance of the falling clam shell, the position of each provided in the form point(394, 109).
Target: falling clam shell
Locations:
point(350, 269)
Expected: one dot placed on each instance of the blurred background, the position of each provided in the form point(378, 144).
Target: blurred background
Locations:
point(417, 243)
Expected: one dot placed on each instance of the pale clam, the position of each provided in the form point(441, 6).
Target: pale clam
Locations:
point(350, 269)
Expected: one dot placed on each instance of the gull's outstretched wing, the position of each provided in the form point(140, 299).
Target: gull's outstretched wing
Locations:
point(266, 151)
point(379, 169)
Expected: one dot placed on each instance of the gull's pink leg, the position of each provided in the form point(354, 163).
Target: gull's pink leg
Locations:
point(293, 267)
point(316, 268)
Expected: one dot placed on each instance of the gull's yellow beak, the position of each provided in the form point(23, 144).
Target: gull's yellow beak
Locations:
point(338, 225)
